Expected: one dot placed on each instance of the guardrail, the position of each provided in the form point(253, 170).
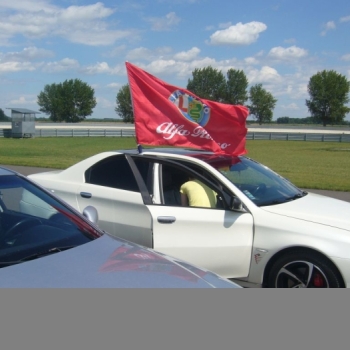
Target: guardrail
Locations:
point(256, 135)
point(76, 133)
point(85, 133)
point(298, 136)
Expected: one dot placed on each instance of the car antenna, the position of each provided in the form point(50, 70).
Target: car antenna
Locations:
point(139, 148)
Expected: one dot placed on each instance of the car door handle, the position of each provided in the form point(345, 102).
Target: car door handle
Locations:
point(166, 219)
point(85, 194)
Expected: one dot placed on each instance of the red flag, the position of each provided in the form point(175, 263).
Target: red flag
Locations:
point(168, 115)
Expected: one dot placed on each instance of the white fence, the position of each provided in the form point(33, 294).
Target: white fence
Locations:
point(130, 132)
point(76, 132)
point(287, 136)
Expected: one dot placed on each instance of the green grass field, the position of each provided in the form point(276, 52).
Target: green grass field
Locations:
point(317, 165)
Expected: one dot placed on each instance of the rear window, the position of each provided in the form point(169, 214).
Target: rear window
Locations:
point(113, 172)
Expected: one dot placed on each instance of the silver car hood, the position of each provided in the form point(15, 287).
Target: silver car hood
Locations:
point(108, 262)
point(316, 208)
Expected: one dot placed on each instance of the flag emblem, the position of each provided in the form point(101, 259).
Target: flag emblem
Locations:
point(191, 108)
point(166, 114)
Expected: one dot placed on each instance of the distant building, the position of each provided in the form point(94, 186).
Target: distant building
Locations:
point(23, 122)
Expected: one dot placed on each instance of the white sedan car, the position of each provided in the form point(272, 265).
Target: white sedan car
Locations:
point(264, 231)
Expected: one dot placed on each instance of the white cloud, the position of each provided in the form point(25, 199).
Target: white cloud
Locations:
point(142, 53)
point(26, 5)
point(61, 66)
point(210, 28)
point(292, 86)
point(104, 68)
point(27, 54)
point(291, 107)
point(330, 25)
point(116, 51)
point(97, 36)
point(180, 64)
point(345, 57)
point(164, 23)
point(188, 55)
point(251, 61)
point(79, 24)
point(264, 75)
point(10, 67)
point(239, 34)
point(98, 68)
point(225, 25)
point(24, 100)
point(286, 54)
point(139, 53)
point(162, 66)
point(327, 27)
point(114, 86)
point(85, 13)
point(105, 103)
point(344, 19)
point(180, 69)
point(290, 41)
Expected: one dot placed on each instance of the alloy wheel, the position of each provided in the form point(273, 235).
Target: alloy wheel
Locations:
point(301, 274)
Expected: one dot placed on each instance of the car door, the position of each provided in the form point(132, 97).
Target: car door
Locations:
point(110, 186)
point(214, 238)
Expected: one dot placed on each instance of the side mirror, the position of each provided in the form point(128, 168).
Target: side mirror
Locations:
point(91, 214)
point(236, 204)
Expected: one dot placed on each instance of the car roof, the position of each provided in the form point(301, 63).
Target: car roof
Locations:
point(204, 155)
point(171, 150)
point(5, 171)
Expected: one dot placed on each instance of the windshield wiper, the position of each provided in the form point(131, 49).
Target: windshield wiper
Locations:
point(45, 253)
point(297, 196)
point(284, 200)
point(37, 255)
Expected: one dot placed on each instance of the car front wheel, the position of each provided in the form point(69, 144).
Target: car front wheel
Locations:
point(300, 269)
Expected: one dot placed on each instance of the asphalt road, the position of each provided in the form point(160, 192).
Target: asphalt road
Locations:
point(345, 196)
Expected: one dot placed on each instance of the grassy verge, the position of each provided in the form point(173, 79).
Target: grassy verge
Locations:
point(317, 165)
point(57, 152)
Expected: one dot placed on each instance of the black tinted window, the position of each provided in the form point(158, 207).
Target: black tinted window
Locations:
point(146, 168)
point(112, 172)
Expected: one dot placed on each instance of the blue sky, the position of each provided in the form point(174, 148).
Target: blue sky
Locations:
point(279, 43)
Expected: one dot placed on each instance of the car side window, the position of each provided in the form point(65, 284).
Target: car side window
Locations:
point(146, 169)
point(171, 180)
point(112, 172)
point(180, 188)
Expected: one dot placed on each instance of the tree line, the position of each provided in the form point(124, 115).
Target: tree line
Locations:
point(303, 121)
point(3, 116)
point(74, 100)
point(211, 84)
point(328, 90)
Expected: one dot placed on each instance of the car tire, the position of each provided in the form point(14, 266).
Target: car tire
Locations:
point(303, 269)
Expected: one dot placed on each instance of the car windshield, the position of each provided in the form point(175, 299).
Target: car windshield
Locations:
point(259, 183)
point(34, 224)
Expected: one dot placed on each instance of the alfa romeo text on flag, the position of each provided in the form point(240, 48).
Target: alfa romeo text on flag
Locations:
point(168, 115)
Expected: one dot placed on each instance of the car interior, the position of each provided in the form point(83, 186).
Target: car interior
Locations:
point(171, 186)
point(173, 178)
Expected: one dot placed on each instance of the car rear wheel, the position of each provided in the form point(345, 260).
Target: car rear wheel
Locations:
point(301, 269)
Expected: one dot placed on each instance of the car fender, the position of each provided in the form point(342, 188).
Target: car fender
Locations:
point(274, 233)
